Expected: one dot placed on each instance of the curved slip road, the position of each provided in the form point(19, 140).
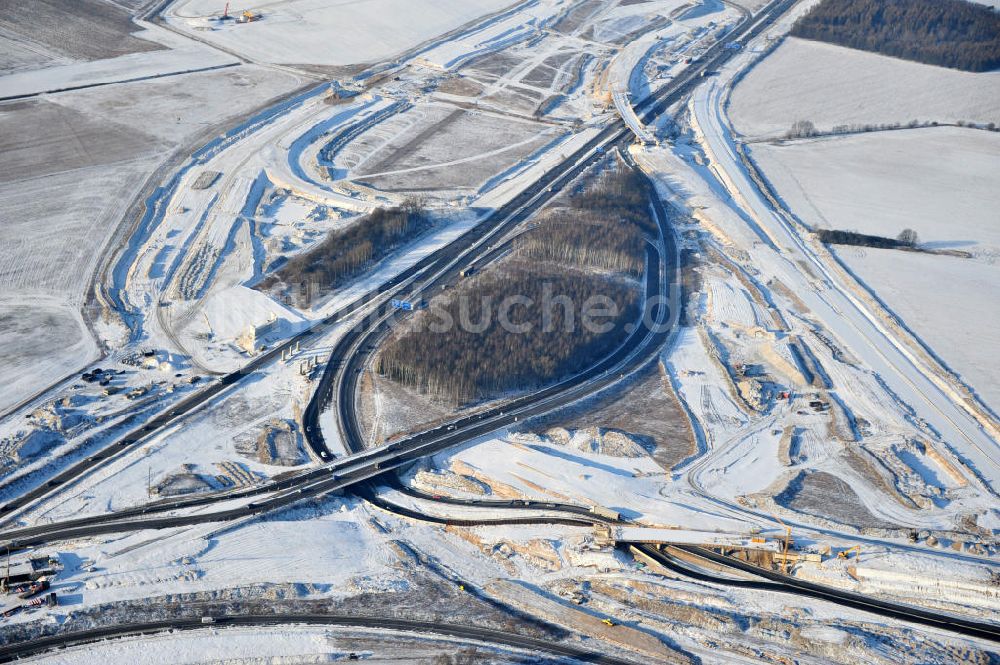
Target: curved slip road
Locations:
point(472, 633)
point(792, 585)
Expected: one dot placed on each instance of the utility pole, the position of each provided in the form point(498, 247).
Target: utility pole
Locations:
point(788, 538)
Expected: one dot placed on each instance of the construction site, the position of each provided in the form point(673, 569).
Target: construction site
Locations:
point(272, 386)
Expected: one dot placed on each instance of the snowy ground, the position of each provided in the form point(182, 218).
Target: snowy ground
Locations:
point(99, 146)
point(172, 56)
point(831, 85)
point(302, 31)
point(49, 34)
point(770, 314)
point(942, 183)
point(306, 644)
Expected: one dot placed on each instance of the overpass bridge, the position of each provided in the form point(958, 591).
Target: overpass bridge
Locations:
point(624, 107)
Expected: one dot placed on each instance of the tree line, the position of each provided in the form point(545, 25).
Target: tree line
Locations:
point(948, 33)
point(907, 238)
point(346, 254)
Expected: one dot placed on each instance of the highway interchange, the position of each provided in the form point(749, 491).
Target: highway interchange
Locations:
point(443, 266)
point(363, 470)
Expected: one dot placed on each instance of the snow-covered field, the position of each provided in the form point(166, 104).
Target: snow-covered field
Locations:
point(941, 182)
point(76, 161)
point(832, 85)
point(319, 33)
point(180, 56)
point(950, 303)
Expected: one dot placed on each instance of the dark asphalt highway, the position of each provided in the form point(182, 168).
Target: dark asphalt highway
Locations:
point(474, 634)
point(777, 582)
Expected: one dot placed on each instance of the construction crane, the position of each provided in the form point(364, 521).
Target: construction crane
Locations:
point(845, 554)
point(788, 540)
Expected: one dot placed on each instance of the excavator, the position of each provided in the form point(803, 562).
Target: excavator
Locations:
point(248, 17)
point(845, 554)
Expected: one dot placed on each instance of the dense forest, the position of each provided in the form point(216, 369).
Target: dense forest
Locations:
point(949, 33)
point(553, 267)
point(344, 255)
point(465, 363)
point(601, 227)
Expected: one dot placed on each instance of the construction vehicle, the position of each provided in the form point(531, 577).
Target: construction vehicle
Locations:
point(248, 17)
point(846, 554)
point(609, 622)
point(225, 14)
point(29, 590)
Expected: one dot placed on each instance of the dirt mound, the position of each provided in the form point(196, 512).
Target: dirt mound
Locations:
point(600, 440)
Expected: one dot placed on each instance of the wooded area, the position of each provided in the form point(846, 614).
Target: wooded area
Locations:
point(601, 227)
point(344, 255)
point(553, 266)
point(464, 364)
point(948, 33)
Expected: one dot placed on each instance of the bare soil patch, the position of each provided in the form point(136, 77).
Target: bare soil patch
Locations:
point(824, 495)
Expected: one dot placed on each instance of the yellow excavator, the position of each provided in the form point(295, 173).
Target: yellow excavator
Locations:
point(248, 17)
point(846, 554)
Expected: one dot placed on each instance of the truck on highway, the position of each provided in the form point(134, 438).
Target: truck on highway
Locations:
point(601, 511)
point(405, 305)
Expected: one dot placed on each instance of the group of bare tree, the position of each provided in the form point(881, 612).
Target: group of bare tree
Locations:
point(521, 325)
point(907, 239)
point(615, 209)
point(344, 255)
point(806, 129)
point(948, 33)
point(512, 330)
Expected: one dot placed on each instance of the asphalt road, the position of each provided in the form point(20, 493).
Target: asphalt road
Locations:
point(475, 634)
point(444, 264)
point(472, 244)
point(787, 584)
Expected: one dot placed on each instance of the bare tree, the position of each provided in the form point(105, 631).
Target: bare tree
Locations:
point(801, 129)
point(908, 237)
